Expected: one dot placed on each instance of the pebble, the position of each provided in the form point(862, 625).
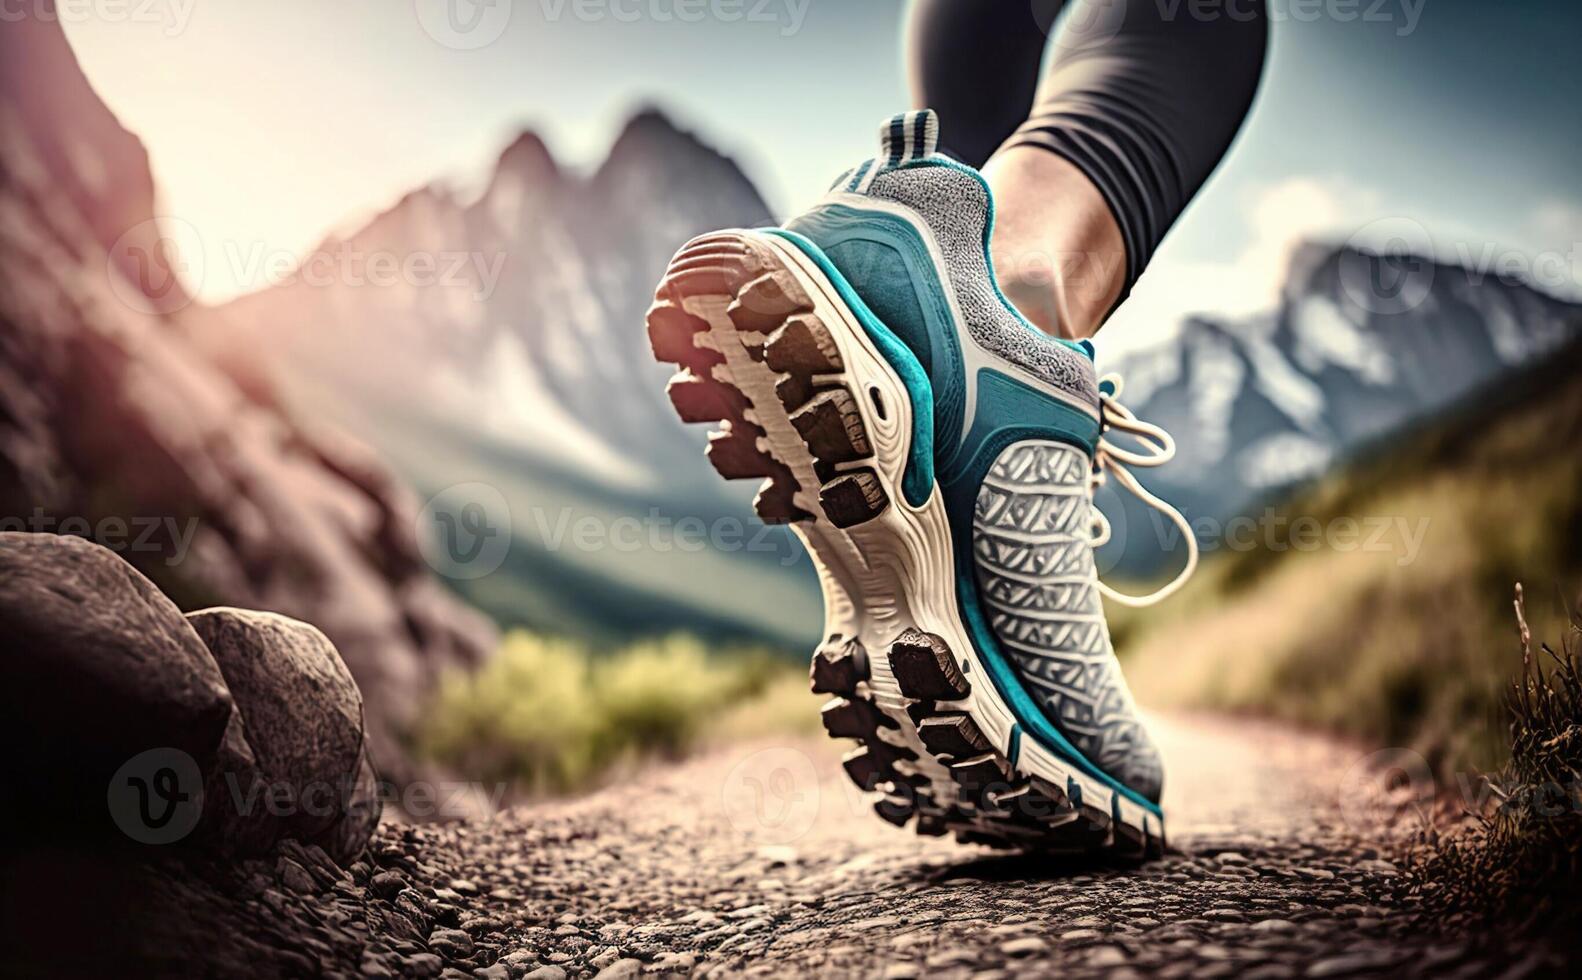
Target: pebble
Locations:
point(620, 970)
point(1273, 925)
point(295, 877)
point(451, 943)
point(684, 960)
point(1339, 966)
point(1027, 946)
point(387, 884)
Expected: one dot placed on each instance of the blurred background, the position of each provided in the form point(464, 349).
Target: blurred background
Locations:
point(344, 304)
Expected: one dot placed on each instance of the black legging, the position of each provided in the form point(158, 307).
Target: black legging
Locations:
point(1144, 95)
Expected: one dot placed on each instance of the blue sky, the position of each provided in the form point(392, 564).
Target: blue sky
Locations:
point(269, 124)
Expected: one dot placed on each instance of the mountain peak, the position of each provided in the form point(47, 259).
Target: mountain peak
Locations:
point(528, 157)
point(649, 124)
point(650, 140)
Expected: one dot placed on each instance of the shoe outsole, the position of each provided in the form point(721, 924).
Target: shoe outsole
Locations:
point(728, 301)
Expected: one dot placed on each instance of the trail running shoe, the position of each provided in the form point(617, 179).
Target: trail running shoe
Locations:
point(937, 455)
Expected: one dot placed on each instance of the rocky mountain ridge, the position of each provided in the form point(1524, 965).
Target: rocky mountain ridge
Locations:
point(528, 371)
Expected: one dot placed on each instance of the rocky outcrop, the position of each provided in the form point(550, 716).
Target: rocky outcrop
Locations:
point(178, 786)
point(94, 166)
point(114, 426)
point(228, 730)
point(99, 667)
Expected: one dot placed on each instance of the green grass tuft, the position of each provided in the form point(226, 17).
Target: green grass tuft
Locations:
point(553, 716)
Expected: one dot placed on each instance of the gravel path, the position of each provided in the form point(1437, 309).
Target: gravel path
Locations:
point(760, 861)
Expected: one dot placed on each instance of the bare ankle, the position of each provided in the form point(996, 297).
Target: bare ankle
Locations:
point(1056, 248)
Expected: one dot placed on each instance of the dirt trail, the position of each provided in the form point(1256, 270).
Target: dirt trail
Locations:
point(762, 861)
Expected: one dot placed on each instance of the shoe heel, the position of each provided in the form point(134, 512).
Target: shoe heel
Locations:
point(755, 356)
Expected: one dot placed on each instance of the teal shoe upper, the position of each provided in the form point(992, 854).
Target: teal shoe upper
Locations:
point(1013, 426)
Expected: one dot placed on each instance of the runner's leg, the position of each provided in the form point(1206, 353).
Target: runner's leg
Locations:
point(1140, 103)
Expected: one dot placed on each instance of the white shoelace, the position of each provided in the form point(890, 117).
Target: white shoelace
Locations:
point(1157, 448)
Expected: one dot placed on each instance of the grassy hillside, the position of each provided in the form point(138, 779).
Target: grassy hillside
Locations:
point(1400, 645)
point(552, 716)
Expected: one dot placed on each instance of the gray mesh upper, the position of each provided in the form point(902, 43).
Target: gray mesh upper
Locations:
point(1030, 542)
point(956, 208)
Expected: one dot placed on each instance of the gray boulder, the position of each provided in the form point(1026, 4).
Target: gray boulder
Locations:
point(100, 668)
point(302, 716)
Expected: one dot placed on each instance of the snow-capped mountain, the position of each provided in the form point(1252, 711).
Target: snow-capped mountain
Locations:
point(1360, 345)
point(521, 318)
point(511, 351)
